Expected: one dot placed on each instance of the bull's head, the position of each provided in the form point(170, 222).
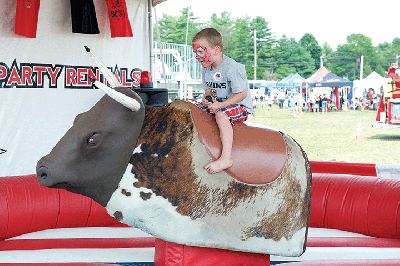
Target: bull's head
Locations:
point(92, 156)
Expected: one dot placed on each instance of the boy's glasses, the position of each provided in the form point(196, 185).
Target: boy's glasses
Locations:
point(200, 52)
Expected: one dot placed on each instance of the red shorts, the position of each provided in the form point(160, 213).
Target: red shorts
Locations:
point(236, 113)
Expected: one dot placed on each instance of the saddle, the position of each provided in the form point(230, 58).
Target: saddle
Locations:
point(259, 154)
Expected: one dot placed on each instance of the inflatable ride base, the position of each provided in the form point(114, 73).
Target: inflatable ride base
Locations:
point(168, 254)
point(355, 220)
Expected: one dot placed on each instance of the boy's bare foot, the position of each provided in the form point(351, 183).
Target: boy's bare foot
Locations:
point(218, 165)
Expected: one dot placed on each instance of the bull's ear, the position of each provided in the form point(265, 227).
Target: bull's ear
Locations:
point(126, 101)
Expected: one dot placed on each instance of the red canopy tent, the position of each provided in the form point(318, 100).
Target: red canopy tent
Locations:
point(318, 75)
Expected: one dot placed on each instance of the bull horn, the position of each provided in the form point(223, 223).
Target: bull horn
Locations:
point(126, 101)
point(104, 70)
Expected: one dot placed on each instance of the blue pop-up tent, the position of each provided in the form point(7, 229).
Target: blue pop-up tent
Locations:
point(291, 81)
point(332, 80)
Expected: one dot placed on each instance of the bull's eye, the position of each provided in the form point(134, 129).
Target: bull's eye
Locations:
point(92, 140)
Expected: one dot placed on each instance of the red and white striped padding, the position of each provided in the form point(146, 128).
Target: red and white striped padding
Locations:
point(359, 204)
point(331, 246)
point(85, 244)
point(363, 205)
point(80, 229)
point(26, 207)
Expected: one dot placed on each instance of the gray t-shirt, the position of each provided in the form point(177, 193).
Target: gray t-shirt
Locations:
point(230, 77)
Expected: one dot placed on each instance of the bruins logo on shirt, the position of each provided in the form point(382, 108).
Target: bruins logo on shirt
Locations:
point(216, 85)
point(217, 76)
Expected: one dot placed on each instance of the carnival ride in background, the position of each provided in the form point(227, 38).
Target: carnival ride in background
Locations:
point(388, 113)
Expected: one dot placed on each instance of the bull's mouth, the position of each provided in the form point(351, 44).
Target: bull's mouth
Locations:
point(63, 185)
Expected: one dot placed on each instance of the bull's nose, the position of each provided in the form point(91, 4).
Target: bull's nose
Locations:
point(42, 172)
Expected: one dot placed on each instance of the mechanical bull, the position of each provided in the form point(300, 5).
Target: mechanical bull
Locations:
point(145, 165)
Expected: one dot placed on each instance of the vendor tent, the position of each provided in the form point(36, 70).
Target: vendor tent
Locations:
point(318, 75)
point(291, 81)
point(372, 81)
point(340, 86)
point(332, 80)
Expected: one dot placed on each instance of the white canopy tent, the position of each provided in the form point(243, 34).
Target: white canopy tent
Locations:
point(372, 81)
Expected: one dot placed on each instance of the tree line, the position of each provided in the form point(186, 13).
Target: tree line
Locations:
point(279, 57)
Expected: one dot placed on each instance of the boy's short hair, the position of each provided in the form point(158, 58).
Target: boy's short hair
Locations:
point(212, 36)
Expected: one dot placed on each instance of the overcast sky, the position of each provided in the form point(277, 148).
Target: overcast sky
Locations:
point(328, 21)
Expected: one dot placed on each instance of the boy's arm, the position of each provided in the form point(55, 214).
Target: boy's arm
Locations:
point(207, 92)
point(235, 98)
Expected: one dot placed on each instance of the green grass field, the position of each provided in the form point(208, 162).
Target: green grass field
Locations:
point(338, 135)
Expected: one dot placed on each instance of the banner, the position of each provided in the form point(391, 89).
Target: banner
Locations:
point(119, 21)
point(45, 81)
point(26, 17)
point(40, 75)
point(83, 15)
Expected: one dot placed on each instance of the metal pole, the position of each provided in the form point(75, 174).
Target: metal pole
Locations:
point(187, 26)
point(163, 75)
point(255, 53)
point(150, 7)
point(361, 67)
point(321, 62)
point(184, 93)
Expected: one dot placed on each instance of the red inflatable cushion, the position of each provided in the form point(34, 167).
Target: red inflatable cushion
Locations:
point(360, 204)
point(28, 207)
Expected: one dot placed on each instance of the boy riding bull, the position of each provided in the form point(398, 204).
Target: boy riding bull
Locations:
point(226, 91)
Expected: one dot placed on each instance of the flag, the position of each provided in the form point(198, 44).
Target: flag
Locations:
point(83, 14)
point(26, 17)
point(119, 21)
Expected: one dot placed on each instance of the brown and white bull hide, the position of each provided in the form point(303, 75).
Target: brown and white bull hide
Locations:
point(166, 192)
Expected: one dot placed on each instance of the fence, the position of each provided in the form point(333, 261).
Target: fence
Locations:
point(176, 68)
